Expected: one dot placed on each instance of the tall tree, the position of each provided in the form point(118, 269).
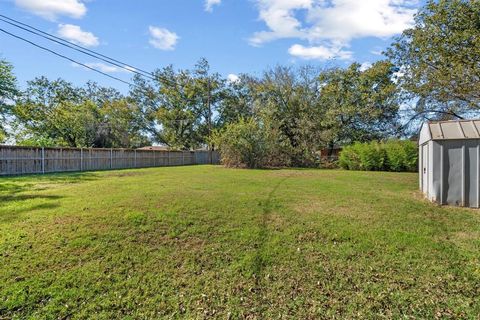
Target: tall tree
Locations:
point(120, 125)
point(288, 104)
point(8, 92)
point(209, 92)
point(99, 94)
point(180, 106)
point(439, 59)
point(238, 100)
point(359, 105)
point(169, 104)
point(58, 113)
point(176, 113)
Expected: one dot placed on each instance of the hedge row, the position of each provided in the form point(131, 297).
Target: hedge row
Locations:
point(393, 155)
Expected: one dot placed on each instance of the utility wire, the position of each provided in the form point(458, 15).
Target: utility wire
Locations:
point(94, 54)
point(83, 50)
point(76, 47)
point(81, 64)
point(65, 57)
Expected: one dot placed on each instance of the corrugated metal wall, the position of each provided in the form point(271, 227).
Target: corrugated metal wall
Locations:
point(453, 172)
point(460, 172)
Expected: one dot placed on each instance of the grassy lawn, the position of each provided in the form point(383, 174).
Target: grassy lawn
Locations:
point(210, 242)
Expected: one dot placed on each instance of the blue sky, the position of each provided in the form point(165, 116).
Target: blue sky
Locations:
point(236, 36)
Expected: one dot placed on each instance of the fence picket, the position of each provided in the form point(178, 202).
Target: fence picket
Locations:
point(17, 160)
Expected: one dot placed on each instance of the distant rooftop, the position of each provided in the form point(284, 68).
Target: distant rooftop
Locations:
point(156, 148)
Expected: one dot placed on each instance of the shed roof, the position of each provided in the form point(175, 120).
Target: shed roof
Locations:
point(450, 130)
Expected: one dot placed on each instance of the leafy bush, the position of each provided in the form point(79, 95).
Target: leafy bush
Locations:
point(242, 144)
point(402, 155)
point(372, 156)
point(350, 157)
point(395, 155)
point(392, 155)
point(40, 141)
point(3, 135)
point(411, 156)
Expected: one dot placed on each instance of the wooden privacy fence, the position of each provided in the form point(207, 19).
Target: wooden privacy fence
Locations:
point(16, 160)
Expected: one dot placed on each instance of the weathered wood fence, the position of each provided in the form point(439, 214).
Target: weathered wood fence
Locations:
point(15, 160)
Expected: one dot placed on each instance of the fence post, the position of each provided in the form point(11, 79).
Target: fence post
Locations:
point(168, 158)
point(154, 163)
point(43, 160)
point(111, 158)
point(183, 158)
point(135, 158)
point(81, 159)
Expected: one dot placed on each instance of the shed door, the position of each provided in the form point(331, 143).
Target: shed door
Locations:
point(455, 173)
point(424, 171)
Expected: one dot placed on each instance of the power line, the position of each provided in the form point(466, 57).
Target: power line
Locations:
point(70, 45)
point(65, 57)
point(81, 64)
point(86, 51)
point(81, 49)
point(76, 47)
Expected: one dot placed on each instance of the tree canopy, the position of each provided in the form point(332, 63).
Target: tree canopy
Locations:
point(439, 59)
point(360, 105)
point(180, 106)
point(58, 113)
point(295, 111)
point(284, 115)
point(8, 93)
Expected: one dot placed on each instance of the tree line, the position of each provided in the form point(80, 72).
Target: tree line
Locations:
point(281, 117)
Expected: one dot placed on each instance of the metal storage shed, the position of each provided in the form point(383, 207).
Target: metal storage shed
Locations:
point(449, 162)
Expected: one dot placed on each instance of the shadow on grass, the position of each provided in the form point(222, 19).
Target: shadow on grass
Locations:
point(16, 214)
point(13, 184)
point(20, 193)
point(259, 262)
point(4, 199)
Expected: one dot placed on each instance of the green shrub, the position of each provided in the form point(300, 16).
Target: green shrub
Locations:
point(362, 156)
point(372, 156)
point(395, 155)
point(349, 157)
point(3, 135)
point(411, 155)
point(392, 155)
point(242, 144)
point(402, 155)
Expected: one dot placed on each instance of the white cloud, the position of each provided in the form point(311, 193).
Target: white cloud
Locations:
point(162, 38)
point(51, 9)
point(210, 3)
point(365, 66)
point(350, 19)
point(76, 35)
point(332, 23)
point(232, 78)
point(319, 52)
point(377, 52)
point(131, 69)
point(105, 67)
point(279, 17)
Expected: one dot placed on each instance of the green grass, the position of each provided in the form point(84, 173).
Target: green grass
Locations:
point(210, 242)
